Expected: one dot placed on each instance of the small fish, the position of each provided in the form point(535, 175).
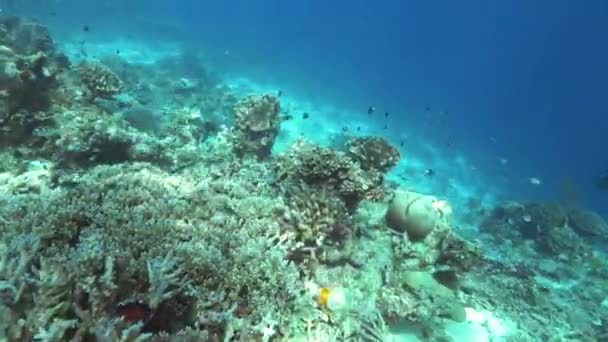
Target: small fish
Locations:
point(286, 117)
point(279, 93)
point(117, 51)
point(502, 161)
point(358, 128)
point(402, 143)
point(371, 110)
point(527, 218)
point(535, 181)
point(134, 311)
point(85, 28)
point(429, 172)
point(305, 115)
point(344, 129)
point(386, 114)
point(385, 126)
point(427, 108)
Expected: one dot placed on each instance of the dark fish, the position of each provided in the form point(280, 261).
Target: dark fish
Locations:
point(402, 143)
point(386, 114)
point(371, 110)
point(427, 108)
point(305, 115)
point(602, 182)
point(134, 311)
point(287, 117)
point(358, 128)
point(429, 172)
point(85, 28)
point(117, 51)
point(344, 129)
point(279, 93)
point(385, 126)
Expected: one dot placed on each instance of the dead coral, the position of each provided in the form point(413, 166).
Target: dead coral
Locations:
point(256, 125)
point(100, 80)
point(373, 153)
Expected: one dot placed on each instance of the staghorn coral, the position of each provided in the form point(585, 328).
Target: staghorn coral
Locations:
point(328, 169)
point(106, 240)
point(99, 80)
point(256, 125)
point(373, 153)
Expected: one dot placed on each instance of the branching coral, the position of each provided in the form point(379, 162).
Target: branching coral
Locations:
point(165, 277)
point(314, 215)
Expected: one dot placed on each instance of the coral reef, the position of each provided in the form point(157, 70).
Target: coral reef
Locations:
point(25, 35)
point(131, 211)
point(256, 125)
point(373, 153)
point(328, 169)
point(28, 73)
point(100, 80)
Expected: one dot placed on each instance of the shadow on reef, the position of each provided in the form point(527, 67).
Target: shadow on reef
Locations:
point(145, 203)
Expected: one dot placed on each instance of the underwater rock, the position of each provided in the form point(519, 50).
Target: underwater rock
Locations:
point(100, 80)
point(142, 119)
point(419, 280)
point(373, 153)
point(256, 125)
point(416, 214)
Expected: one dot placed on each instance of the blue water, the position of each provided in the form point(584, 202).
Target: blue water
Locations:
point(519, 80)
